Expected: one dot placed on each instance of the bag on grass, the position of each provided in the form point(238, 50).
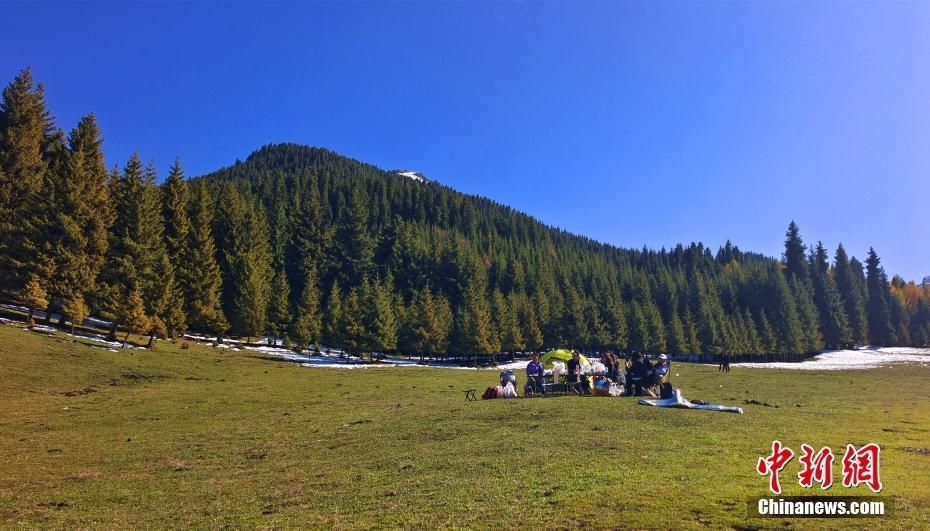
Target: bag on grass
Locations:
point(615, 390)
point(665, 390)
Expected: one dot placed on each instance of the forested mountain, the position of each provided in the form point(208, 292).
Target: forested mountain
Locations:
point(303, 243)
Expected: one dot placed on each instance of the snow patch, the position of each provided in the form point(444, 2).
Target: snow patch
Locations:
point(838, 360)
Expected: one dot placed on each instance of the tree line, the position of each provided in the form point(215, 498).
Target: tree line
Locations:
point(303, 244)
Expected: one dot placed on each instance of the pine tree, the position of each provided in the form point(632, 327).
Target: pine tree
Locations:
point(251, 274)
point(881, 331)
point(25, 133)
point(529, 324)
point(33, 296)
point(161, 294)
point(850, 284)
point(309, 239)
point(355, 337)
point(332, 332)
point(279, 315)
point(506, 323)
point(768, 341)
point(74, 308)
point(175, 207)
point(131, 313)
point(828, 301)
point(75, 234)
point(382, 319)
point(200, 274)
point(474, 324)
point(677, 341)
point(795, 264)
point(308, 323)
point(353, 247)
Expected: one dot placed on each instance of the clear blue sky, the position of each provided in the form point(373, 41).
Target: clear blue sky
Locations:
point(632, 123)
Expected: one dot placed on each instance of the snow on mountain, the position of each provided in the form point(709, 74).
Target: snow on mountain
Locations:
point(416, 176)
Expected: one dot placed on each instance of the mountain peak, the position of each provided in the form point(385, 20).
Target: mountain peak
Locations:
point(416, 176)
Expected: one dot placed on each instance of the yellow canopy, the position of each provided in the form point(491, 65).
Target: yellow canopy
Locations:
point(562, 354)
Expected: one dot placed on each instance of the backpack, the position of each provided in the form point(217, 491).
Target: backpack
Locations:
point(666, 391)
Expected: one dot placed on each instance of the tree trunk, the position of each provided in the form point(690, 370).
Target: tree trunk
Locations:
point(112, 335)
point(125, 339)
point(151, 341)
point(29, 319)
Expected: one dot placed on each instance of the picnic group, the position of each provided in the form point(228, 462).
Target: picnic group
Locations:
point(567, 371)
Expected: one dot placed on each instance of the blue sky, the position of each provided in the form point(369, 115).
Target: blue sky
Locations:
point(632, 123)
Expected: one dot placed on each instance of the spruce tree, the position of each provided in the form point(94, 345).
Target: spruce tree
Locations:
point(881, 331)
point(74, 309)
point(308, 323)
point(382, 324)
point(332, 331)
point(795, 263)
point(75, 234)
point(279, 314)
point(353, 247)
point(25, 132)
point(33, 296)
point(851, 285)
point(829, 303)
point(251, 277)
point(200, 274)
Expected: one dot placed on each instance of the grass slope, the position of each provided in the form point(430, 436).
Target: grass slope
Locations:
point(208, 438)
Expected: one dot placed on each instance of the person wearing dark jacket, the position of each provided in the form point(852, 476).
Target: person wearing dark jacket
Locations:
point(575, 374)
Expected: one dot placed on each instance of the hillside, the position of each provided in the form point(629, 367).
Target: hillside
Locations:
point(303, 244)
point(538, 285)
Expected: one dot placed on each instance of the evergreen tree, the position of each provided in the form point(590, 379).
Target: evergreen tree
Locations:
point(881, 331)
point(200, 274)
point(34, 296)
point(75, 233)
point(474, 323)
point(828, 301)
point(382, 323)
point(353, 247)
point(308, 323)
point(850, 284)
point(74, 309)
point(279, 315)
point(355, 337)
point(332, 332)
point(25, 134)
point(795, 264)
point(251, 274)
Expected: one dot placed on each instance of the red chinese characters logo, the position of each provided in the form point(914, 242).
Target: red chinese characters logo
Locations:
point(817, 467)
point(862, 466)
point(773, 464)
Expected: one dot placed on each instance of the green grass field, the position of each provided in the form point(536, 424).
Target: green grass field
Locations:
point(208, 438)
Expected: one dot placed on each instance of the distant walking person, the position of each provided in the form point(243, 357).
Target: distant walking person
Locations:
point(726, 362)
point(721, 361)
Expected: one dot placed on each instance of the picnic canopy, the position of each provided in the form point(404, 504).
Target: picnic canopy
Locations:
point(562, 354)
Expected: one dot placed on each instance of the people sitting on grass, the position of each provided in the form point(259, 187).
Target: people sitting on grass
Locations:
point(662, 368)
point(576, 375)
point(535, 375)
point(642, 374)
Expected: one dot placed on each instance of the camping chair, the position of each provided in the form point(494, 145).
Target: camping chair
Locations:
point(537, 384)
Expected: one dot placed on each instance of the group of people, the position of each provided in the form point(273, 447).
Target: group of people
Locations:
point(636, 375)
point(724, 362)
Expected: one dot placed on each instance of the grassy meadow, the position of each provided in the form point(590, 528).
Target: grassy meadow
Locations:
point(208, 438)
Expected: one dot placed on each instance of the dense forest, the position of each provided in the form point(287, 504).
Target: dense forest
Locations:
point(306, 245)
